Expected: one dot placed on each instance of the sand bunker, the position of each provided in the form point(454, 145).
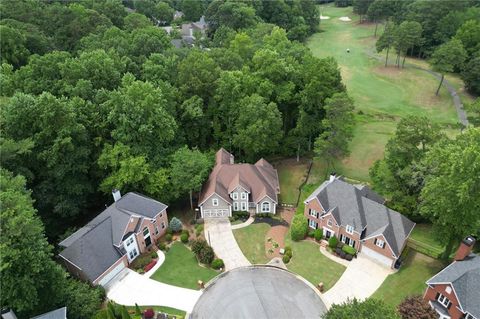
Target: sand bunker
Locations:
point(324, 17)
point(345, 19)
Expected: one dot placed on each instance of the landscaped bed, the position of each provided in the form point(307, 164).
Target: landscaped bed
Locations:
point(409, 280)
point(181, 268)
point(251, 240)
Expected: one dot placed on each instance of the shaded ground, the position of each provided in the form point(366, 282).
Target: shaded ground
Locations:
point(291, 175)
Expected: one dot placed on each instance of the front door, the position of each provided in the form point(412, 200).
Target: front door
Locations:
point(328, 234)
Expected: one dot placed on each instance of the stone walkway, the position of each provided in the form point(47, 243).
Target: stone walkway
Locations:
point(278, 232)
point(249, 221)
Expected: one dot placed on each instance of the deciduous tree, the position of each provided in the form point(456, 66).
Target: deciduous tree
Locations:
point(447, 57)
point(368, 309)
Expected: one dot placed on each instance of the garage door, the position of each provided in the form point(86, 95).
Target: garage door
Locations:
point(111, 274)
point(377, 257)
point(215, 213)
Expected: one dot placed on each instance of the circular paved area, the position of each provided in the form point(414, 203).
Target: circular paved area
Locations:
point(258, 292)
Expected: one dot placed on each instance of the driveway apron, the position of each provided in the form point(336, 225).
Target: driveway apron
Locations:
point(219, 235)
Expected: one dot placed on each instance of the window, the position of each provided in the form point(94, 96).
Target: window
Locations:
point(129, 241)
point(235, 206)
point(163, 225)
point(312, 223)
point(448, 289)
point(243, 206)
point(443, 300)
point(146, 232)
point(156, 230)
point(329, 223)
point(235, 195)
point(265, 207)
point(349, 229)
point(133, 253)
point(215, 202)
point(380, 243)
point(161, 214)
point(243, 195)
point(313, 213)
point(469, 316)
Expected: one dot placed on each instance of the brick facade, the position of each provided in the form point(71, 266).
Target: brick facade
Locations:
point(453, 310)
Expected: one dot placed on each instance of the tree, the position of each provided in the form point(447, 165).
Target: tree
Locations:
point(378, 11)
point(299, 227)
point(136, 21)
point(125, 314)
point(471, 75)
point(192, 9)
point(175, 224)
point(13, 45)
point(258, 127)
point(149, 40)
point(164, 13)
point(472, 108)
point(409, 34)
point(81, 300)
point(469, 35)
point(188, 171)
point(338, 128)
point(234, 15)
point(368, 309)
point(387, 39)
point(414, 307)
point(447, 58)
point(360, 7)
point(450, 195)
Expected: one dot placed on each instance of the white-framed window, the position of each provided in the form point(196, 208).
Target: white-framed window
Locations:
point(443, 300)
point(129, 241)
point(265, 207)
point(133, 253)
point(349, 229)
point(243, 195)
point(380, 243)
point(146, 232)
point(312, 223)
point(448, 289)
point(329, 223)
point(163, 225)
point(235, 206)
point(156, 230)
point(243, 206)
point(313, 213)
point(215, 202)
point(235, 195)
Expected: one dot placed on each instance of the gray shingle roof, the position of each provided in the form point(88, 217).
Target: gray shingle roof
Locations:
point(55, 314)
point(360, 207)
point(92, 247)
point(464, 276)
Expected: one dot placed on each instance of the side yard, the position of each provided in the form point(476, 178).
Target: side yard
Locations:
point(409, 280)
point(251, 240)
point(291, 175)
point(181, 268)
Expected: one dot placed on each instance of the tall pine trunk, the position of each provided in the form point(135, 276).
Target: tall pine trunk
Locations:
point(386, 59)
point(440, 85)
point(191, 200)
point(403, 63)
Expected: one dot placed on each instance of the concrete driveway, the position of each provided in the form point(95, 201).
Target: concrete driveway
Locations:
point(360, 280)
point(128, 288)
point(218, 233)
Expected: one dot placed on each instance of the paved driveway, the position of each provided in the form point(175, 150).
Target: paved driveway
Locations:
point(128, 288)
point(219, 234)
point(360, 280)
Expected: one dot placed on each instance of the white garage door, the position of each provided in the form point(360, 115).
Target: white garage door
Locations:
point(111, 274)
point(377, 257)
point(215, 213)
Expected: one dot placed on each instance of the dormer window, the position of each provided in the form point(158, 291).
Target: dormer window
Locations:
point(443, 300)
point(329, 223)
point(235, 195)
point(215, 201)
point(349, 229)
point(243, 195)
point(380, 243)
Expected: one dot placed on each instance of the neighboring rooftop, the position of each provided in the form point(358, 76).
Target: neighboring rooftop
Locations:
point(55, 314)
point(260, 179)
point(464, 275)
point(360, 207)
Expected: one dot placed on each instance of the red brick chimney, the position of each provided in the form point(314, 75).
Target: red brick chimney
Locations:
point(465, 248)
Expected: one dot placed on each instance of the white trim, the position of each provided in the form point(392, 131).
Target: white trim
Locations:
point(215, 202)
point(269, 207)
point(367, 238)
point(214, 193)
point(315, 225)
point(235, 195)
point(264, 198)
point(431, 285)
point(109, 268)
point(347, 227)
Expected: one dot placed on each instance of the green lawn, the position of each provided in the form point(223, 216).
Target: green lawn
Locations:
point(182, 269)
point(423, 233)
point(383, 95)
point(409, 280)
point(251, 240)
point(291, 175)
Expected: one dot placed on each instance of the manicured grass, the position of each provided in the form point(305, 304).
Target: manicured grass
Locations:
point(182, 269)
point(311, 264)
point(383, 95)
point(423, 233)
point(171, 311)
point(291, 175)
point(251, 240)
point(409, 280)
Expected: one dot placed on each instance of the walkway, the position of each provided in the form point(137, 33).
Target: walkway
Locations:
point(336, 259)
point(160, 260)
point(218, 233)
point(361, 279)
point(129, 288)
point(249, 221)
point(278, 231)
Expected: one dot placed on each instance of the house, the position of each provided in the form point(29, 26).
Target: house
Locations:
point(188, 29)
point(357, 217)
point(177, 15)
point(112, 240)
point(239, 187)
point(455, 291)
point(60, 313)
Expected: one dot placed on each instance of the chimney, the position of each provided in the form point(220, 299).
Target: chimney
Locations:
point(333, 175)
point(116, 194)
point(465, 248)
point(232, 159)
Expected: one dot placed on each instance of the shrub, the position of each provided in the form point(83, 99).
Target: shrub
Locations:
point(153, 254)
point(415, 307)
point(150, 265)
point(318, 234)
point(333, 241)
point(185, 231)
point(198, 245)
point(299, 227)
point(141, 261)
point(199, 228)
point(286, 259)
point(288, 251)
point(168, 237)
point(175, 224)
point(149, 313)
point(349, 250)
point(340, 245)
point(232, 219)
point(140, 271)
point(161, 245)
point(138, 312)
point(338, 251)
point(217, 263)
point(184, 238)
point(206, 255)
point(311, 233)
point(169, 231)
point(342, 254)
point(348, 257)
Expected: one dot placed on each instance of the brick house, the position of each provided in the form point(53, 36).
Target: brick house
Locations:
point(357, 217)
point(112, 240)
point(239, 187)
point(455, 291)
